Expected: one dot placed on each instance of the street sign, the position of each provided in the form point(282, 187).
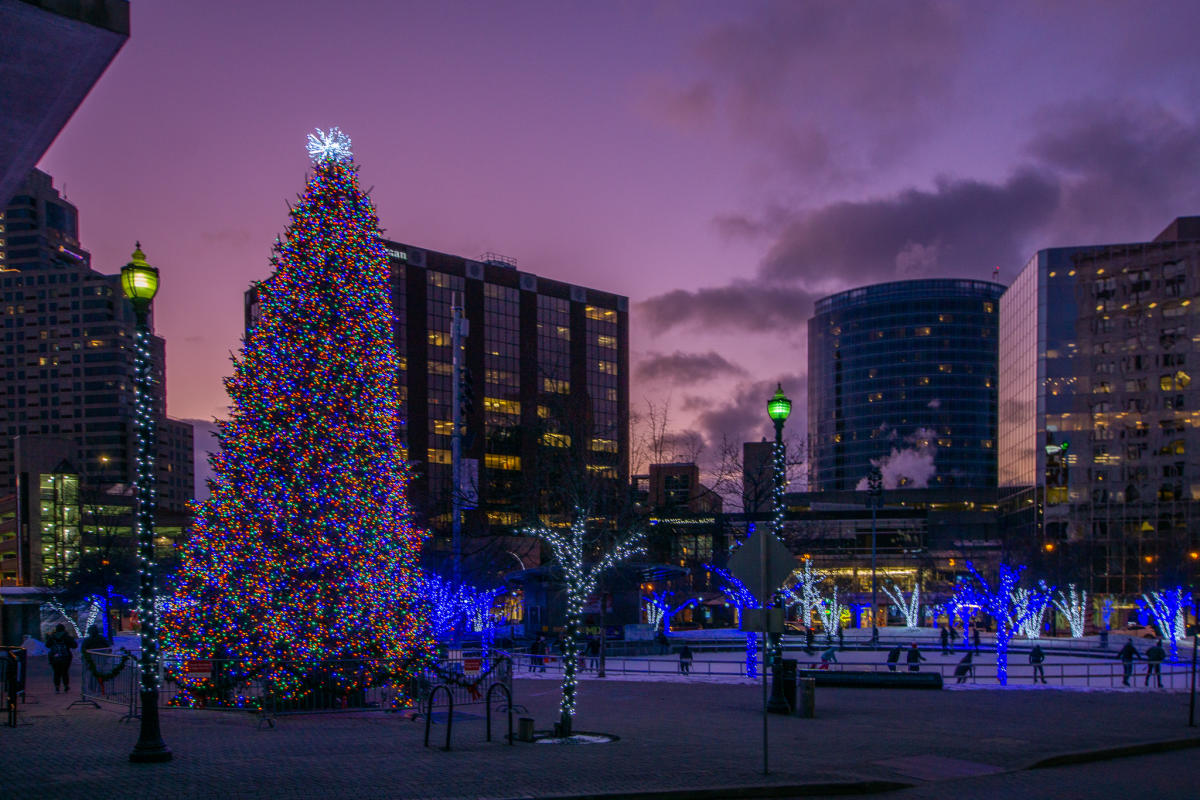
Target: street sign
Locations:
point(752, 620)
point(746, 563)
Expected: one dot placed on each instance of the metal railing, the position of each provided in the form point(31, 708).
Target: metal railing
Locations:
point(1109, 674)
point(335, 685)
point(119, 689)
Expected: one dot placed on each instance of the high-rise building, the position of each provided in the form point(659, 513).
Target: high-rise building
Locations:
point(54, 52)
point(1099, 438)
point(66, 357)
point(904, 373)
point(547, 364)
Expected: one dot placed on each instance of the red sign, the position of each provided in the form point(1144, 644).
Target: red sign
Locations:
point(472, 664)
point(199, 666)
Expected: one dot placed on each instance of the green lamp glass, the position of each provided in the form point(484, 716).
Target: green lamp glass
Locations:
point(139, 280)
point(779, 406)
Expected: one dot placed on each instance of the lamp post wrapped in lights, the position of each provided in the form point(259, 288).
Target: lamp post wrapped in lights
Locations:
point(779, 407)
point(139, 282)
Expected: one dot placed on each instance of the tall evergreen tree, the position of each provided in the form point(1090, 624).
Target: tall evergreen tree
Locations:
point(305, 550)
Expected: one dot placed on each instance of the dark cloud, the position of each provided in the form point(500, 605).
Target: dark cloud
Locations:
point(961, 227)
point(1127, 168)
point(738, 306)
point(742, 416)
point(685, 368)
point(800, 77)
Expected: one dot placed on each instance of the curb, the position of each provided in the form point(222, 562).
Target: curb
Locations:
point(1109, 753)
point(721, 793)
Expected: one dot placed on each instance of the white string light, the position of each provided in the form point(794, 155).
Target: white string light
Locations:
point(911, 608)
point(1073, 606)
point(331, 144)
point(806, 590)
point(580, 580)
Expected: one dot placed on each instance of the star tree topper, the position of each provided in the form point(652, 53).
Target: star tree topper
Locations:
point(333, 145)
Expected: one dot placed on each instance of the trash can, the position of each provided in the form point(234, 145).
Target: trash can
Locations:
point(808, 698)
point(787, 680)
point(525, 729)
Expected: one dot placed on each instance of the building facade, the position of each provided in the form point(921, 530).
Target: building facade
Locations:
point(904, 373)
point(547, 364)
point(1099, 427)
point(66, 358)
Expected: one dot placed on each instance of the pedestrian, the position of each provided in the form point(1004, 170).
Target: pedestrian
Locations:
point(808, 639)
point(593, 651)
point(685, 660)
point(1104, 638)
point(893, 657)
point(945, 642)
point(1127, 654)
point(966, 667)
point(1154, 659)
point(953, 633)
point(94, 640)
point(664, 645)
point(914, 658)
point(975, 638)
point(60, 644)
point(829, 657)
point(1037, 657)
point(828, 636)
point(841, 639)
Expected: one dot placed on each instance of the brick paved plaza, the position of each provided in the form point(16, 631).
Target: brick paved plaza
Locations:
point(673, 735)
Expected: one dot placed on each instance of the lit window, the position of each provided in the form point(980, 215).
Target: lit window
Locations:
point(497, 461)
point(438, 456)
point(556, 439)
point(924, 330)
point(499, 406)
point(604, 314)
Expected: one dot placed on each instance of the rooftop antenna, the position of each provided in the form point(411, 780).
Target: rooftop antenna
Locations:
point(996, 274)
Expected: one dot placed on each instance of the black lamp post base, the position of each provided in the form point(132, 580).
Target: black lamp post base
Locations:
point(150, 748)
point(150, 754)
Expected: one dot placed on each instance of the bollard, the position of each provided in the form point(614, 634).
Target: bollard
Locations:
point(807, 701)
point(525, 729)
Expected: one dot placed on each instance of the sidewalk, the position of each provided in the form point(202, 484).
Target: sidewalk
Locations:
point(673, 736)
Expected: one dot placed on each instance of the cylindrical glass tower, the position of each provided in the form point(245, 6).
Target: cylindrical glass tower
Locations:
point(904, 374)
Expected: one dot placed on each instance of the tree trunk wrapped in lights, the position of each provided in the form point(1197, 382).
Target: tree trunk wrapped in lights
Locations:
point(571, 553)
point(911, 608)
point(1000, 601)
point(305, 551)
point(1073, 606)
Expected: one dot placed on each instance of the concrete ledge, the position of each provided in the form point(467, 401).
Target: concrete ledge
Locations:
point(1108, 753)
point(721, 792)
point(849, 679)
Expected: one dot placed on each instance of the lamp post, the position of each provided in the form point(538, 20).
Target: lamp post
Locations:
point(139, 281)
point(874, 500)
point(778, 409)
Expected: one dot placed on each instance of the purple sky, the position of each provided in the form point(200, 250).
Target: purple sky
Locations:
point(721, 163)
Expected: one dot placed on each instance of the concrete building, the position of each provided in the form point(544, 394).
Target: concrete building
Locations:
point(66, 359)
point(904, 369)
point(548, 366)
point(54, 52)
point(1099, 426)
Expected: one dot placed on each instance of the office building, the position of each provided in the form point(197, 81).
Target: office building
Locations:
point(547, 363)
point(66, 362)
point(1099, 426)
point(903, 374)
point(54, 52)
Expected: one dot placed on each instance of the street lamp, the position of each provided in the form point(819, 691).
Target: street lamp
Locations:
point(874, 501)
point(778, 409)
point(139, 282)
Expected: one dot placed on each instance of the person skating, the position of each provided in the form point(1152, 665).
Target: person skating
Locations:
point(593, 651)
point(1154, 658)
point(893, 657)
point(1127, 654)
point(841, 638)
point(975, 638)
point(685, 660)
point(914, 658)
point(945, 642)
point(808, 640)
point(1037, 657)
point(966, 667)
point(60, 644)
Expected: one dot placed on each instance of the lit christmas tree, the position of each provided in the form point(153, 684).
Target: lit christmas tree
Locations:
point(305, 551)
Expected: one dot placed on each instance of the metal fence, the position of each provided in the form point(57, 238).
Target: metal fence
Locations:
point(336, 685)
point(1101, 674)
point(98, 683)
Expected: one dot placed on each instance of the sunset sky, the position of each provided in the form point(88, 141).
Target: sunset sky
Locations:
point(721, 163)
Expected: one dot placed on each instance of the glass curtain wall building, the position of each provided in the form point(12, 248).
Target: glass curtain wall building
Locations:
point(548, 366)
point(904, 374)
point(1099, 416)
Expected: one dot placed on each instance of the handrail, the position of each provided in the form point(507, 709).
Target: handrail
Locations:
point(509, 704)
point(449, 712)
